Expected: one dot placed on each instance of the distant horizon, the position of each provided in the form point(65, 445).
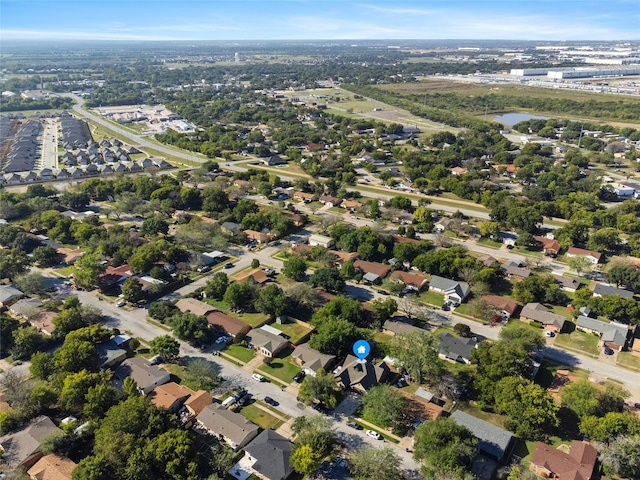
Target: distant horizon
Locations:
point(328, 20)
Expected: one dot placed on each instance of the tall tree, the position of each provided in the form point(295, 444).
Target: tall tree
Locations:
point(166, 346)
point(417, 353)
point(380, 463)
point(322, 387)
point(382, 405)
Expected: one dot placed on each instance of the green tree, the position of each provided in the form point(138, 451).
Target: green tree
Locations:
point(255, 263)
point(13, 262)
point(31, 283)
point(482, 309)
point(41, 365)
point(166, 346)
point(334, 336)
point(417, 353)
point(76, 355)
point(521, 334)
point(132, 290)
point(26, 341)
point(68, 320)
point(579, 264)
point(162, 310)
point(380, 463)
point(153, 226)
point(76, 386)
point(87, 269)
point(216, 286)
point(622, 457)
point(624, 275)
point(192, 328)
point(327, 278)
point(99, 399)
point(322, 387)
point(271, 300)
point(304, 460)
point(348, 270)
point(295, 268)
point(530, 408)
point(143, 258)
point(383, 405)
point(93, 468)
point(241, 295)
point(201, 374)
point(496, 361)
point(445, 449)
point(613, 424)
point(384, 309)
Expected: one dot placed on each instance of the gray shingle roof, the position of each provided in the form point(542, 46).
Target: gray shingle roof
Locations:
point(607, 290)
point(540, 313)
point(493, 440)
point(453, 347)
point(610, 332)
point(271, 451)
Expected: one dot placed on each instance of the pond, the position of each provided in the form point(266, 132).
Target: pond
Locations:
point(510, 119)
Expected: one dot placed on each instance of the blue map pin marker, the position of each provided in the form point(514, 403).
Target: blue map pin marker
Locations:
point(361, 348)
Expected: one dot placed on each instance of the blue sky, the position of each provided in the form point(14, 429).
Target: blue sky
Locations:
point(320, 19)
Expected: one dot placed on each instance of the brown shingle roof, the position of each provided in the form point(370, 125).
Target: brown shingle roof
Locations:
point(259, 276)
point(232, 326)
point(191, 305)
point(196, 402)
point(415, 279)
point(52, 467)
point(376, 268)
point(501, 303)
point(170, 395)
point(578, 464)
point(584, 253)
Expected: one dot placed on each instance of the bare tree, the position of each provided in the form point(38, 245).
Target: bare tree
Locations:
point(328, 221)
point(467, 274)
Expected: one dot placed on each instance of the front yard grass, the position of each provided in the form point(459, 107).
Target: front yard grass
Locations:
point(281, 368)
point(241, 353)
point(432, 298)
point(629, 360)
point(260, 417)
point(580, 342)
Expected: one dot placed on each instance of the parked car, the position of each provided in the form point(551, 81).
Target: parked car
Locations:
point(258, 377)
point(271, 401)
point(549, 333)
point(299, 377)
point(155, 360)
point(372, 434)
point(222, 339)
point(228, 265)
point(120, 303)
point(354, 425)
point(246, 398)
point(382, 292)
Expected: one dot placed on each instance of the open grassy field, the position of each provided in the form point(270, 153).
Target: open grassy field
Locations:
point(629, 360)
point(260, 417)
point(281, 368)
point(470, 90)
point(580, 342)
point(241, 353)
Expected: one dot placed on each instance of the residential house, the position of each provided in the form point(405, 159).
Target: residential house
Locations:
point(601, 290)
point(514, 271)
point(322, 240)
point(360, 376)
point(452, 290)
point(110, 354)
point(612, 335)
point(274, 160)
point(351, 205)
point(423, 407)
point(456, 349)
point(508, 239)
point(192, 305)
point(550, 246)
point(170, 396)
point(303, 196)
point(196, 402)
point(442, 224)
point(568, 284)
point(232, 326)
point(505, 307)
point(507, 169)
point(402, 239)
point(43, 321)
point(593, 257)
point(311, 360)
point(230, 228)
point(397, 325)
point(268, 456)
point(21, 448)
point(260, 237)
point(115, 275)
point(342, 257)
point(52, 467)
point(26, 307)
point(9, 295)
point(457, 171)
point(266, 343)
point(375, 270)
point(258, 275)
point(576, 464)
point(536, 312)
point(493, 441)
point(69, 256)
point(330, 201)
point(413, 281)
point(146, 376)
point(487, 260)
point(228, 426)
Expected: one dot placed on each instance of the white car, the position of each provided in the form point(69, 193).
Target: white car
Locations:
point(258, 377)
point(120, 303)
point(372, 434)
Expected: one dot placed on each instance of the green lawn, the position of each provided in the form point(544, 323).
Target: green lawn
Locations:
point(629, 360)
point(489, 243)
point(241, 353)
point(260, 417)
point(562, 311)
point(383, 338)
point(254, 319)
point(432, 298)
point(295, 331)
point(579, 341)
point(65, 271)
point(281, 368)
